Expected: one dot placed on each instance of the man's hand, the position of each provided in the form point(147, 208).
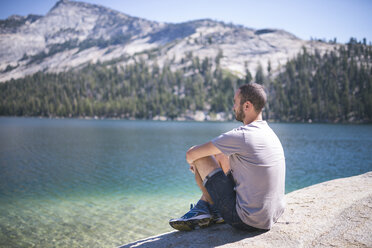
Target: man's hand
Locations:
point(192, 168)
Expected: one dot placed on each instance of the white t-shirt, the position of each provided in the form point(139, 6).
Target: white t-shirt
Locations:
point(258, 166)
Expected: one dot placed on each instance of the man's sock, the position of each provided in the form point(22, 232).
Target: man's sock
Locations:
point(212, 207)
point(202, 204)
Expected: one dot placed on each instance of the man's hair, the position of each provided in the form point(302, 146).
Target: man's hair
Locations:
point(255, 93)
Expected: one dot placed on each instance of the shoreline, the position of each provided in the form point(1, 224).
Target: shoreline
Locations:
point(176, 120)
point(333, 213)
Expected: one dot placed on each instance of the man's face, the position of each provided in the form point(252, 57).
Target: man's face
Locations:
point(238, 108)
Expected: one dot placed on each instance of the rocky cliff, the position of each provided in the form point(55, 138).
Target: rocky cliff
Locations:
point(73, 34)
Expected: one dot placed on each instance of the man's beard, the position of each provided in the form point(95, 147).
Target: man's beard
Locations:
point(239, 116)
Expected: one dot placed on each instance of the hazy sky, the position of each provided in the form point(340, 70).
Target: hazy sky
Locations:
point(324, 19)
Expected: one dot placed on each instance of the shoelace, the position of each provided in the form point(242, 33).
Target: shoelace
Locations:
point(194, 211)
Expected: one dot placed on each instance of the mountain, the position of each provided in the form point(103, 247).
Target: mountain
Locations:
point(73, 34)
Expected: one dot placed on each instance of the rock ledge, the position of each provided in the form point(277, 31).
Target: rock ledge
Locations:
point(336, 213)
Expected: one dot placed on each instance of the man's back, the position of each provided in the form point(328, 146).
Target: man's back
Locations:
point(258, 166)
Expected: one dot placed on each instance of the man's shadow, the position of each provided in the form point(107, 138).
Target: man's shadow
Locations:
point(209, 237)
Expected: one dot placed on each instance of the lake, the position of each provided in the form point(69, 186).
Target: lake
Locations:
point(104, 183)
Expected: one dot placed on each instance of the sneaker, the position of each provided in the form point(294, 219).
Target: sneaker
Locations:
point(197, 217)
point(216, 216)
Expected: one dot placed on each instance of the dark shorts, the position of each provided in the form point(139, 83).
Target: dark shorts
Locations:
point(221, 188)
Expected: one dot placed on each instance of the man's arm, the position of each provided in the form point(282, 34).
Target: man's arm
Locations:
point(200, 151)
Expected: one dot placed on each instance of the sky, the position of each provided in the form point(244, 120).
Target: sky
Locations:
point(320, 19)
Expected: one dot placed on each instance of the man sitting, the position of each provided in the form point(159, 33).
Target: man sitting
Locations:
point(241, 172)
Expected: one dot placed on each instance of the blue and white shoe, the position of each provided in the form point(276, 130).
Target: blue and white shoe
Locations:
point(197, 217)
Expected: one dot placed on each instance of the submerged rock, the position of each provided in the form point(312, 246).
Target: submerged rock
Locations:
point(336, 213)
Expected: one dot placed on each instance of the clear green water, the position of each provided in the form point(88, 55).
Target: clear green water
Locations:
point(104, 183)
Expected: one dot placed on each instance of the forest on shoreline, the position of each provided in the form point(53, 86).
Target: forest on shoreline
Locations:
point(333, 87)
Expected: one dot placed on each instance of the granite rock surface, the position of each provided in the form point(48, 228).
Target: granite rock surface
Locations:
point(336, 213)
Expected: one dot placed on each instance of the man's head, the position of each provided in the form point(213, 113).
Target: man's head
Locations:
point(249, 101)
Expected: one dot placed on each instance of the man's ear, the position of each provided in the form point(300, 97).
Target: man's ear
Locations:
point(247, 105)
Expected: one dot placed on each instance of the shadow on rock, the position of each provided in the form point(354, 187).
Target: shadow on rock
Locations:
point(209, 237)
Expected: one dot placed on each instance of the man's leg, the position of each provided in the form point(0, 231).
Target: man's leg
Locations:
point(199, 215)
point(205, 196)
point(206, 165)
point(203, 167)
point(222, 162)
point(220, 188)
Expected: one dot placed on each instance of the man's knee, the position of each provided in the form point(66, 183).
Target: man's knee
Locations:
point(208, 161)
point(206, 165)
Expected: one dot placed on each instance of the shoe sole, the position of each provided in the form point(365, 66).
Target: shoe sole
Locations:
point(189, 225)
point(219, 221)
